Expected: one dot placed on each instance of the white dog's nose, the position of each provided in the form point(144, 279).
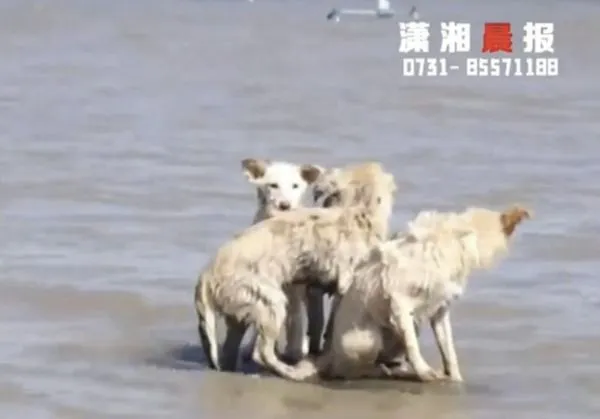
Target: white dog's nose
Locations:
point(284, 206)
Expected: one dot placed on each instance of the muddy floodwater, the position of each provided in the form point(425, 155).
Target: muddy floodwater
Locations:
point(122, 127)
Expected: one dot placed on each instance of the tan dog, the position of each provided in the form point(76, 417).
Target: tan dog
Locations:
point(333, 188)
point(246, 279)
point(411, 278)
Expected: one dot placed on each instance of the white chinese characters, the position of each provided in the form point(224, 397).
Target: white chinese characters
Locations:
point(538, 38)
point(495, 40)
point(414, 37)
point(456, 37)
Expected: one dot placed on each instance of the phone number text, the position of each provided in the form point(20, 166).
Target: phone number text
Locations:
point(481, 67)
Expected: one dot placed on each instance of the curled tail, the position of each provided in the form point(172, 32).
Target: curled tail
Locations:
point(207, 324)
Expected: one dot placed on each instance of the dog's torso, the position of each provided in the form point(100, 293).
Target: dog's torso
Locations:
point(427, 279)
point(314, 244)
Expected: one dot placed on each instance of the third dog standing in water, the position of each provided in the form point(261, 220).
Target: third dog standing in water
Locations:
point(246, 279)
point(411, 278)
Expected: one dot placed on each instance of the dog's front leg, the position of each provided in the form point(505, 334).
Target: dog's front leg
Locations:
point(442, 330)
point(403, 321)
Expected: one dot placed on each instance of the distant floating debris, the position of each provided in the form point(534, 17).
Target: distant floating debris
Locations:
point(334, 14)
point(414, 14)
point(383, 10)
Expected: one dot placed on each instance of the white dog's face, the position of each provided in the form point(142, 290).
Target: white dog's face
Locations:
point(281, 185)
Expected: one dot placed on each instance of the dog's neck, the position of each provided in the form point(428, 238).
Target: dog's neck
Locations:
point(265, 209)
point(380, 228)
point(464, 266)
point(466, 263)
point(448, 257)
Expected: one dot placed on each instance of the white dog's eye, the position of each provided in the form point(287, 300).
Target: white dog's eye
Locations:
point(273, 185)
point(295, 186)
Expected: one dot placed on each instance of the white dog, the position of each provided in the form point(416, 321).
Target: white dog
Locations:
point(408, 279)
point(246, 279)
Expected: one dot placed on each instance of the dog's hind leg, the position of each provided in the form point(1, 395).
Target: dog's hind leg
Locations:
point(249, 348)
point(327, 337)
point(271, 317)
point(231, 346)
point(294, 326)
point(207, 331)
point(442, 330)
point(393, 356)
point(316, 319)
point(356, 343)
point(342, 285)
point(404, 324)
point(207, 326)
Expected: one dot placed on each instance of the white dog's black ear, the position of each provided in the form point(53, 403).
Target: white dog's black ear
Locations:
point(310, 172)
point(254, 169)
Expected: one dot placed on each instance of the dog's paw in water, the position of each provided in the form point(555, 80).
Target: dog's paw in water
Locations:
point(306, 370)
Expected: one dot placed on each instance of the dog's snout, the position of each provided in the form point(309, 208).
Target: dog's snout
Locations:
point(284, 206)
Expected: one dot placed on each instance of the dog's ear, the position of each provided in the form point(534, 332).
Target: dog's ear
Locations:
point(310, 172)
point(513, 217)
point(254, 169)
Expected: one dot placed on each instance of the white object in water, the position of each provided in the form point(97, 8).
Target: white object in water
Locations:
point(384, 6)
point(383, 10)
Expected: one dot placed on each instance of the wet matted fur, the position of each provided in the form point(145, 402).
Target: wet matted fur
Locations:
point(280, 186)
point(413, 277)
point(246, 279)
